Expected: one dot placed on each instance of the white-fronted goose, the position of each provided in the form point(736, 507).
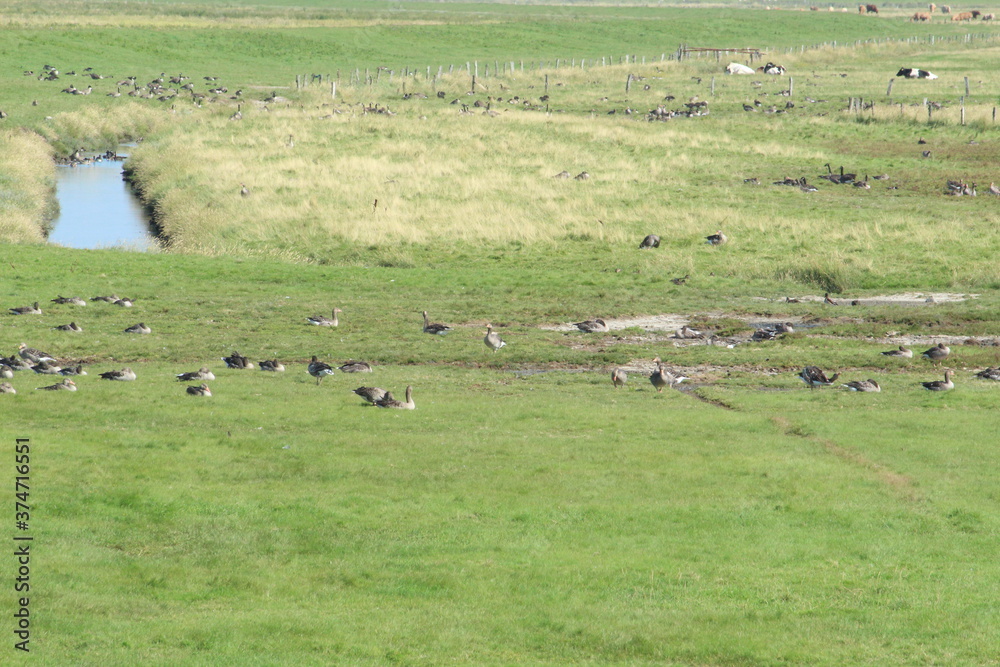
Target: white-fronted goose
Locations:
point(124, 375)
point(237, 361)
point(72, 326)
point(139, 328)
point(124, 302)
point(356, 367)
point(32, 354)
point(322, 321)
point(202, 373)
point(6, 371)
point(863, 385)
point(435, 328)
point(27, 310)
point(371, 394)
point(271, 365)
point(493, 340)
point(67, 385)
point(45, 368)
point(990, 374)
point(70, 371)
point(814, 377)
point(318, 369)
point(389, 402)
point(618, 378)
point(201, 390)
point(651, 241)
point(74, 300)
point(7, 388)
point(903, 352)
point(592, 326)
point(937, 353)
point(939, 385)
point(110, 299)
point(718, 238)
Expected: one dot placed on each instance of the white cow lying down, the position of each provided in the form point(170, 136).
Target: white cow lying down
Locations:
point(736, 68)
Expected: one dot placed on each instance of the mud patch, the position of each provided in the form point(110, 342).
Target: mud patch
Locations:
point(911, 299)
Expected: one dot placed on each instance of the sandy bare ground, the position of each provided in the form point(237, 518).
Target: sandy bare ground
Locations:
point(903, 299)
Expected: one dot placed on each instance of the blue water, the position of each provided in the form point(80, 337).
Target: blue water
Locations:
point(98, 210)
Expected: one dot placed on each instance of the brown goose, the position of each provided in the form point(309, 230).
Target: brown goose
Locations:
point(71, 371)
point(124, 375)
point(124, 302)
point(356, 367)
point(988, 374)
point(322, 321)
point(27, 310)
point(371, 394)
point(937, 353)
point(814, 377)
point(903, 352)
point(201, 390)
point(33, 355)
point(718, 238)
point(272, 365)
point(651, 241)
point(493, 340)
point(139, 328)
point(435, 327)
point(237, 361)
point(318, 369)
point(661, 377)
point(74, 300)
point(389, 402)
point(66, 384)
point(939, 385)
point(7, 388)
point(863, 385)
point(72, 326)
point(109, 299)
point(202, 373)
point(44, 368)
point(618, 378)
point(592, 326)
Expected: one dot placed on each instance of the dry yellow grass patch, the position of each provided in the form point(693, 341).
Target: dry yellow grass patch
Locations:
point(27, 181)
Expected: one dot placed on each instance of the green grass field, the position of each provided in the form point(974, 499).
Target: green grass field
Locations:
point(526, 512)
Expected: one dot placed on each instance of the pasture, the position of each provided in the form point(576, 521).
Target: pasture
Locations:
point(526, 512)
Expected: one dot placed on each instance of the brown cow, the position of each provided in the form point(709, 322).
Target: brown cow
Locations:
point(921, 16)
point(872, 9)
point(962, 16)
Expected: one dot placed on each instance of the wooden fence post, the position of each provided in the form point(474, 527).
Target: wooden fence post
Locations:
point(888, 91)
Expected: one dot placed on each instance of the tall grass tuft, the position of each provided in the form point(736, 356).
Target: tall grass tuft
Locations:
point(27, 187)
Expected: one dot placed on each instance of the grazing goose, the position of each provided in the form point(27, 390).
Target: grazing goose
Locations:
point(109, 299)
point(7, 388)
point(937, 354)
point(236, 361)
point(44, 368)
point(592, 326)
point(371, 394)
point(202, 373)
point(33, 355)
point(903, 352)
point(124, 375)
point(651, 241)
point(356, 367)
point(389, 402)
point(863, 385)
point(618, 378)
point(66, 384)
point(6, 371)
point(74, 300)
point(201, 390)
point(72, 326)
point(661, 377)
point(321, 321)
point(718, 238)
point(941, 385)
point(139, 328)
point(434, 327)
point(318, 369)
point(492, 340)
point(124, 302)
point(814, 377)
point(27, 310)
point(988, 374)
point(272, 365)
point(71, 371)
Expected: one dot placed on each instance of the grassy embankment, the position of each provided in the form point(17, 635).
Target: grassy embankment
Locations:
point(522, 518)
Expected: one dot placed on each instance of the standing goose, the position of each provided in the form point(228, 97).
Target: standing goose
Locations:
point(903, 352)
point(389, 402)
point(356, 367)
point(718, 238)
point(592, 326)
point(237, 361)
point(124, 375)
point(988, 374)
point(27, 310)
point(201, 390)
point(74, 300)
point(618, 378)
point(435, 327)
point(66, 384)
point(72, 326)
point(139, 328)
point(661, 377)
point(318, 369)
point(202, 373)
point(937, 354)
point(939, 385)
point(814, 377)
point(863, 385)
point(272, 365)
point(371, 394)
point(32, 354)
point(7, 388)
point(493, 340)
point(322, 321)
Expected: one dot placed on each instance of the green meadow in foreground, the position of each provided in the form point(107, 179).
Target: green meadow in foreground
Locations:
point(526, 512)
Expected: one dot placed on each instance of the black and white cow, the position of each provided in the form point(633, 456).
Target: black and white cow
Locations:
point(914, 73)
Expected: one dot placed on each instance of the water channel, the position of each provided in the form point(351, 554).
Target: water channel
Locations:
point(97, 209)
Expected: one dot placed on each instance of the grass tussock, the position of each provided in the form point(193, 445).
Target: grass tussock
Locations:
point(27, 182)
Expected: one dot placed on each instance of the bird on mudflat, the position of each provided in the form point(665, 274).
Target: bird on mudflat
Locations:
point(434, 328)
point(492, 340)
point(596, 325)
point(201, 390)
point(863, 385)
point(318, 369)
point(371, 394)
point(937, 353)
point(814, 377)
point(903, 352)
point(941, 385)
